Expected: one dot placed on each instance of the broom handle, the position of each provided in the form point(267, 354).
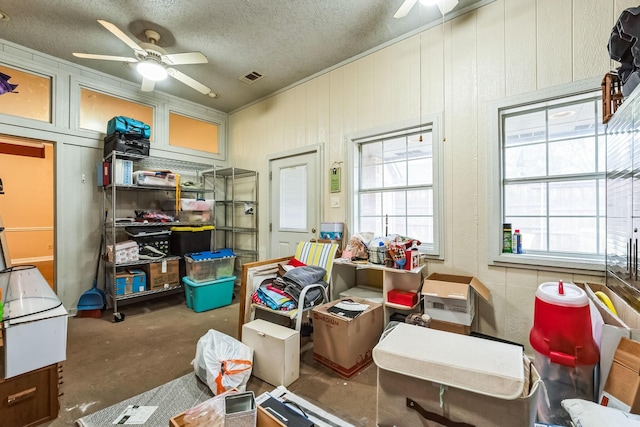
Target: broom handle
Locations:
point(95, 278)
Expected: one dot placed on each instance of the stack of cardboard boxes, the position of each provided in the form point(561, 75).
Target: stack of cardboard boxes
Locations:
point(450, 301)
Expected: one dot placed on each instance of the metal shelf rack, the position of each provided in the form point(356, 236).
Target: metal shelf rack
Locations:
point(236, 213)
point(120, 202)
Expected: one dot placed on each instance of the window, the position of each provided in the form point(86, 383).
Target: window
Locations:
point(552, 179)
point(397, 185)
point(96, 109)
point(192, 133)
point(32, 97)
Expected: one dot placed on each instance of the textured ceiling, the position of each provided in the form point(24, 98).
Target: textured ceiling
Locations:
point(284, 40)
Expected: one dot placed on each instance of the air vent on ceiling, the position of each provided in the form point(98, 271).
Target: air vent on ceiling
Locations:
point(251, 77)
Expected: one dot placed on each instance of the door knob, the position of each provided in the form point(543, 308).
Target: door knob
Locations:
point(313, 229)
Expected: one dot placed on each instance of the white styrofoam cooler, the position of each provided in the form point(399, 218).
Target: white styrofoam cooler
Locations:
point(35, 341)
point(462, 378)
point(276, 351)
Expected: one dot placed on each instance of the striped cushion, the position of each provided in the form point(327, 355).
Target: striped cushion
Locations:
point(318, 254)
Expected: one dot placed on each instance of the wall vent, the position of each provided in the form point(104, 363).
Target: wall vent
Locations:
point(251, 77)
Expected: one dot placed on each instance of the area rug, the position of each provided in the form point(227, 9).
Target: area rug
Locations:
point(171, 399)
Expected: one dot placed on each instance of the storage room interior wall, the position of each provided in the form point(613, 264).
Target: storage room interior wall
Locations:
point(505, 48)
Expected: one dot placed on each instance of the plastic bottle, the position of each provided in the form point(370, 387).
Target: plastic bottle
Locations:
point(517, 242)
point(507, 238)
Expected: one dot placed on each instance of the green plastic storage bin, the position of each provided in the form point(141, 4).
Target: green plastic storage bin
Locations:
point(208, 295)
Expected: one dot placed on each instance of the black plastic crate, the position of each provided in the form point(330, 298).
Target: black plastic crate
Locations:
point(187, 240)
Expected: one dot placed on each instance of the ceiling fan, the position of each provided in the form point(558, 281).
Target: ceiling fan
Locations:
point(153, 62)
point(445, 6)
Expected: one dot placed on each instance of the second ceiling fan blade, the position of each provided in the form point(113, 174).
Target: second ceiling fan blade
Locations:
point(122, 36)
point(189, 81)
point(104, 57)
point(404, 8)
point(185, 58)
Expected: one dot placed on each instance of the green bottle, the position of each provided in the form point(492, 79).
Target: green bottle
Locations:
point(507, 239)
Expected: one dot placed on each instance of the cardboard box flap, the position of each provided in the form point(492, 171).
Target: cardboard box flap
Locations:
point(445, 289)
point(474, 364)
point(628, 355)
point(451, 286)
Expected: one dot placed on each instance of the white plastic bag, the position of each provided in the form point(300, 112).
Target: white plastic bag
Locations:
point(223, 362)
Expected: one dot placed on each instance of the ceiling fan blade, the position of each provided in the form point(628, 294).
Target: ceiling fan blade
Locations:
point(189, 81)
point(122, 36)
point(404, 8)
point(185, 58)
point(147, 85)
point(105, 57)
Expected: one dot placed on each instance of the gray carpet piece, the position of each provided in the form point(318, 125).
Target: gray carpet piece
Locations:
point(171, 399)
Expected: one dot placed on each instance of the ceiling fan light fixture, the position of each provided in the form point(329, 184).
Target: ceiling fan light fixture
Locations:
point(446, 6)
point(151, 69)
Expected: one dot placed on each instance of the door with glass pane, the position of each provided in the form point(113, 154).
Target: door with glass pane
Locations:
point(294, 193)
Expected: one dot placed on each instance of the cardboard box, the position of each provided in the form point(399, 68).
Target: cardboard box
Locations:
point(130, 282)
point(462, 379)
point(625, 323)
point(622, 389)
point(455, 328)
point(451, 298)
point(163, 274)
point(126, 251)
point(344, 344)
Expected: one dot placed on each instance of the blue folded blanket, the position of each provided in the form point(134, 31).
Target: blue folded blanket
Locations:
point(274, 300)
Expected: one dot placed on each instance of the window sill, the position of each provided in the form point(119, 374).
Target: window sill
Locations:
point(550, 263)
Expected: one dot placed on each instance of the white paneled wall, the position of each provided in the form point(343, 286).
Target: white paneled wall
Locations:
point(505, 48)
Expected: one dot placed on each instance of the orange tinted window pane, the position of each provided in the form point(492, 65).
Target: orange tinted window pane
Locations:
point(191, 133)
point(32, 98)
point(96, 109)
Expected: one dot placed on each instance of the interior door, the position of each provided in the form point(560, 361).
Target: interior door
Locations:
point(27, 205)
point(294, 194)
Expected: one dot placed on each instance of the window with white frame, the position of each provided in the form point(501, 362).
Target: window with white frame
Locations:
point(397, 185)
point(552, 177)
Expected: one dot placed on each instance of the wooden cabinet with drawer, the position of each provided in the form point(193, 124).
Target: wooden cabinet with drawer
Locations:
point(30, 399)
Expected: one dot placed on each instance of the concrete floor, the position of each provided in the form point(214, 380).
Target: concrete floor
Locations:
point(108, 362)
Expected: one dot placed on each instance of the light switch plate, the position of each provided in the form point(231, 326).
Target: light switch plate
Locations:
point(335, 201)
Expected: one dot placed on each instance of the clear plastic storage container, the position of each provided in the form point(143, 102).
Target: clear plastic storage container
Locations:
point(210, 265)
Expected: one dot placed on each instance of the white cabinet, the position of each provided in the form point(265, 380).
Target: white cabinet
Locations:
point(373, 282)
point(276, 351)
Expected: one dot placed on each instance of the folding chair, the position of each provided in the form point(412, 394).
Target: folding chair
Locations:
point(310, 253)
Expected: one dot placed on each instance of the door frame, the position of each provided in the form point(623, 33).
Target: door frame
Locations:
point(317, 151)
